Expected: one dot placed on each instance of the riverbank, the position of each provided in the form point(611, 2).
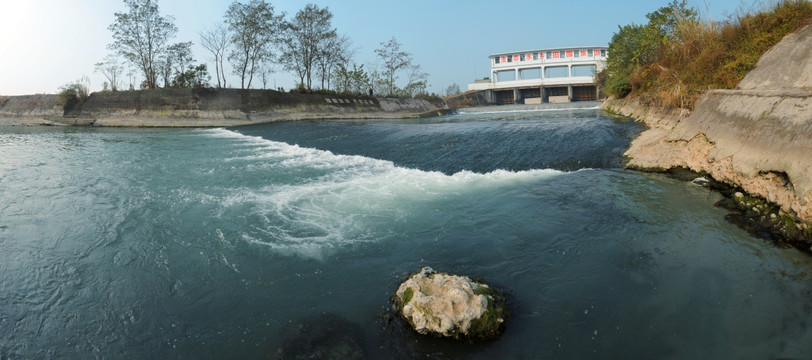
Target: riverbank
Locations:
point(754, 138)
point(205, 108)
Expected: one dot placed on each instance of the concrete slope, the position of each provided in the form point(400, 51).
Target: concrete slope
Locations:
point(205, 108)
point(40, 106)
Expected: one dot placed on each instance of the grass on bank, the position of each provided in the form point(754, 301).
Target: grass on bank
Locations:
point(678, 55)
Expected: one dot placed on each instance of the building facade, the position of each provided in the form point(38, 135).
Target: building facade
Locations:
point(544, 75)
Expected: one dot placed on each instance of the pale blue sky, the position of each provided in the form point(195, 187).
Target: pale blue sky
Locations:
point(48, 43)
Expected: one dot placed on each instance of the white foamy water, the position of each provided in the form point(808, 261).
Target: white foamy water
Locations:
point(195, 244)
point(348, 199)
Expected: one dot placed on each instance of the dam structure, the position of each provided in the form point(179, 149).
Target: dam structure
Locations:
point(538, 76)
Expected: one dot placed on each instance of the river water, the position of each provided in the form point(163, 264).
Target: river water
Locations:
point(215, 243)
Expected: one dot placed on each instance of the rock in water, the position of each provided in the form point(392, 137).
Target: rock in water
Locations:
point(326, 337)
point(450, 306)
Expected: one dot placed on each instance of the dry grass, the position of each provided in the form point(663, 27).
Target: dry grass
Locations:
point(716, 55)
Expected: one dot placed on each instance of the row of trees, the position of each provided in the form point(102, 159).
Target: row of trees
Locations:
point(350, 77)
point(252, 40)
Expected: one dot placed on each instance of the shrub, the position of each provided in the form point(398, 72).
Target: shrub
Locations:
point(694, 54)
point(75, 93)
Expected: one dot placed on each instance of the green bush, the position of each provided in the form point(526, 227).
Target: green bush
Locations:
point(677, 55)
point(74, 94)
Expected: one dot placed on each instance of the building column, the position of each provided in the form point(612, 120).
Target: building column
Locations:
point(516, 95)
point(569, 92)
point(543, 94)
point(489, 97)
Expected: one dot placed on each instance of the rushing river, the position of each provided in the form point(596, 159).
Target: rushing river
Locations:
point(215, 243)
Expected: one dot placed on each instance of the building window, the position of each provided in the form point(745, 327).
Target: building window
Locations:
point(510, 59)
point(577, 53)
point(557, 91)
point(589, 53)
point(549, 55)
point(584, 70)
point(562, 54)
point(556, 72)
point(505, 75)
point(603, 53)
point(496, 60)
point(528, 74)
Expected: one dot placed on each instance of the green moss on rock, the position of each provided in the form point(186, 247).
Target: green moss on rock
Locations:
point(492, 322)
point(407, 295)
point(427, 313)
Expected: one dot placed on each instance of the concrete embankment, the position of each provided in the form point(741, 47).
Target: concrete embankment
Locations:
point(205, 108)
point(757, 137)
point(580, 105)
point(30, 109)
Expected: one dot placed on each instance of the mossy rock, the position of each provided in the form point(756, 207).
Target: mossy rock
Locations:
point(451, 306)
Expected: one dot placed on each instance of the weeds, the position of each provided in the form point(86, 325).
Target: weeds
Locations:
point(702, 54)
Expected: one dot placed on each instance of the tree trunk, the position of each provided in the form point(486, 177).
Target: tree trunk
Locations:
point(217, 71)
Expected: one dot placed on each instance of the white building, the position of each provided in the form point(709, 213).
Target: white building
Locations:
point(544, 75)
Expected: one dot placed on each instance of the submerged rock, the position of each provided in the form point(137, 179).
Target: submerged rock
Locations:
point(701, 181)
point(326, 337)
point(451, 306)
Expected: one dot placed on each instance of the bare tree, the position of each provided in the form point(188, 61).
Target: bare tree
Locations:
point(394, 59)
point(182, 55)
point(452, 89)
point(216, 41)
point(140, 35)
point(175, 60)
point(337, 50)
point(164, 69)
point(265, 73)
point(417, 81)
point(131, 77)
point(306, 35)
point(112, 69)
point(254, 32)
